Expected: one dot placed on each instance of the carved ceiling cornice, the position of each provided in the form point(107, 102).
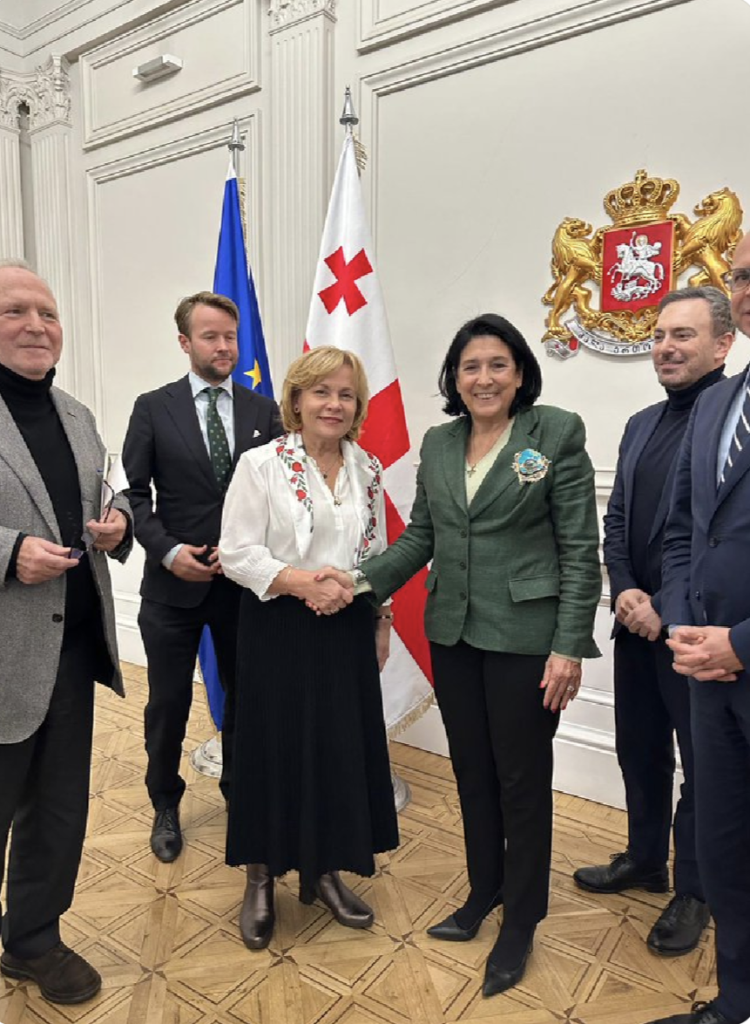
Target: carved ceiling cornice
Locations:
point(46, 92)
point(287, 12)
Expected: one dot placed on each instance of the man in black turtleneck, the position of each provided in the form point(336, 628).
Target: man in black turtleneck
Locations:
point(58, 634)
point(693, 335)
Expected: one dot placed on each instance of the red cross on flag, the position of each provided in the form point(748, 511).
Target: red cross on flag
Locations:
point(347, 310)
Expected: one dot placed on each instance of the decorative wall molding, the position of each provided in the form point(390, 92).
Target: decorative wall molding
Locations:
point(554, 20)
point(376, 30)
point(144, 160)
point(288, 12)
point(46, 92)
point(99, 130)
point(53, 236)
point(60, 11)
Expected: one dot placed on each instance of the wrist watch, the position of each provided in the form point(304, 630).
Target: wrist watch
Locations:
point(359, 581)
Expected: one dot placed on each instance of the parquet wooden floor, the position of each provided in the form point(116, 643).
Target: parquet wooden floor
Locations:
point(165, 937)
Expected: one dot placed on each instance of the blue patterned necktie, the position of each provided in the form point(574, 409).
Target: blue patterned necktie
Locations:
point(218, 446)
point(740, 436)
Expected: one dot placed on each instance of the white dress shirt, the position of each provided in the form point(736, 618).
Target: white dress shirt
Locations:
point(265, 526)
point(225, 407)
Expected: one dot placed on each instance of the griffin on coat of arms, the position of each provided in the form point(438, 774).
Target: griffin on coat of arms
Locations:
point(634, 264)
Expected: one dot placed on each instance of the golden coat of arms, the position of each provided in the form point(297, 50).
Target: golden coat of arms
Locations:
point(634, 263)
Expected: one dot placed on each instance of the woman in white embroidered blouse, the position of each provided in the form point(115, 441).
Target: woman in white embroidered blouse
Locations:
point(312, 789)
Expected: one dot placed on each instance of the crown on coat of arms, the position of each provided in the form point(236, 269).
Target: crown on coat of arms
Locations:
point(641, 201)
point(633, 264)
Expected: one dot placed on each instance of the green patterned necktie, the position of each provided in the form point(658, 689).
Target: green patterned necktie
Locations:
point(218, 446)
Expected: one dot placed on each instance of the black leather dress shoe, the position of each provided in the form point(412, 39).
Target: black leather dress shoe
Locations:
point(166, 837)
point(621, 873)
point(62, 976)
point(702, 1013)
point(679, 927)
point(506, 964)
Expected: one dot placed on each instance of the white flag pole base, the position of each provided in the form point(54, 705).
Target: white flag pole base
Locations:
point(206, 758)
point(401, 791)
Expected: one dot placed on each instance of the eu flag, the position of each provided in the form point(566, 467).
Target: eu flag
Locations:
point(232, 278)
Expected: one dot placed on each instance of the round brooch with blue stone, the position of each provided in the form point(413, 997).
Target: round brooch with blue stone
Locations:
point(530, 466)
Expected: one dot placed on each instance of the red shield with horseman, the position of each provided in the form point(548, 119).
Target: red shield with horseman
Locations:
point(637, 266)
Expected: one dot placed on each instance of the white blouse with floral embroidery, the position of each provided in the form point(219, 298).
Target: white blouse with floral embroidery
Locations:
point(279, 511)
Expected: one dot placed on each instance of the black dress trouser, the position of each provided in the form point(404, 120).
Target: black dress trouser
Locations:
point(171, 637)
point(652, 703)
point(44, 795)
point(720, 715)
point(500, 739)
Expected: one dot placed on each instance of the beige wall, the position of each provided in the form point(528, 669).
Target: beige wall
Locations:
point(486, 123)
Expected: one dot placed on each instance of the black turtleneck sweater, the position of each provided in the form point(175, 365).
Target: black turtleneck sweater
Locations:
point(35, 414)
point(652, 470)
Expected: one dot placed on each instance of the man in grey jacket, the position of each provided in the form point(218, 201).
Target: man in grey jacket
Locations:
point(58, 633)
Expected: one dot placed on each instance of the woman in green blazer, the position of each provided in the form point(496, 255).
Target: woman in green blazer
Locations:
point(505, 509)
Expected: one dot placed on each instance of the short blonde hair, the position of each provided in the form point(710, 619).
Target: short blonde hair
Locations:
point(313, 367)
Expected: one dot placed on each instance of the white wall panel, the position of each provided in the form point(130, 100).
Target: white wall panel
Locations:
point(480, 143)
point(154, 224)
point(217, 40)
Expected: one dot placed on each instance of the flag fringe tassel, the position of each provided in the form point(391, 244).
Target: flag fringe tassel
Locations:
point(411, 716)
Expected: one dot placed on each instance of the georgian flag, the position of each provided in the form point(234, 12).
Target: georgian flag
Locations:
point(347, 311)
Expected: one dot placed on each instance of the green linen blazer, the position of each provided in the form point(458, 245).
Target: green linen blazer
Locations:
point(518, 569)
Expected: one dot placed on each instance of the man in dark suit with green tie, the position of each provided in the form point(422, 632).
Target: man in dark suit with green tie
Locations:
point(185, 439)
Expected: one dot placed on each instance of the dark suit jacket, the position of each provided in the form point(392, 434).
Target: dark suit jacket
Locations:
point(518, 569)
point(638, 431)
point(164, 444)
point(707, 537)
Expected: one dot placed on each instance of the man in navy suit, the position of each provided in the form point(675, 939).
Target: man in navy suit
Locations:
point(693, 334)
point(186, 438)
point(706, 602)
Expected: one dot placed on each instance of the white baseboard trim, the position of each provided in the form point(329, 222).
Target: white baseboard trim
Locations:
point(128, 635)
point(585, 760)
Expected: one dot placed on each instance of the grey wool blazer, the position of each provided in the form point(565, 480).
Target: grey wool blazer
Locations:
point(32, 631)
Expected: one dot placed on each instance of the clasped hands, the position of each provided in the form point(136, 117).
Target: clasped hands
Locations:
point(705, 653)
point(633, 609)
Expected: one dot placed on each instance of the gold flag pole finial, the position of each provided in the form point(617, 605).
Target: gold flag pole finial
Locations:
point(349, 119)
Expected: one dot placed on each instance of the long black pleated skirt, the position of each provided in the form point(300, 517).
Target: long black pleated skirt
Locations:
point(311, 783)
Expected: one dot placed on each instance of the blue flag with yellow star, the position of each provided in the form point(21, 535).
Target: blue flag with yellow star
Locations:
point(233, 278)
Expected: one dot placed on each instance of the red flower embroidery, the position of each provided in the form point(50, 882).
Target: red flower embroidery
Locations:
point(301, 494)
point(297, 467)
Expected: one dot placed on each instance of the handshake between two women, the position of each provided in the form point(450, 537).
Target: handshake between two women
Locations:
point(325, 591)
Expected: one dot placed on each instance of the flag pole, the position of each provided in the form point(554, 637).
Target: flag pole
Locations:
point(348, 120)
point(236, 146)
point(206, 758)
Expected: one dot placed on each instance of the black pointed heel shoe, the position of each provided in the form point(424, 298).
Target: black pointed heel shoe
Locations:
point(506, 964)
point(449, 930)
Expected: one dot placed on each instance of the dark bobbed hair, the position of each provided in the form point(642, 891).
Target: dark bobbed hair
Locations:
point(498, 327)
